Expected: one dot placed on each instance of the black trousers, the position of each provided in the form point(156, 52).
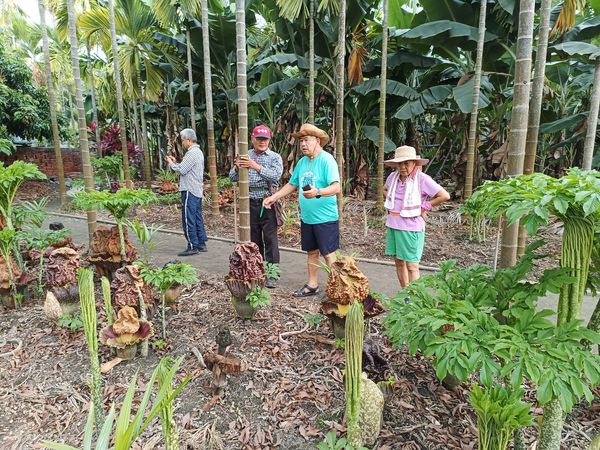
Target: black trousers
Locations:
point(263, 231)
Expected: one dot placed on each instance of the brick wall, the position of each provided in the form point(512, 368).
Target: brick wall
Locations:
point(46, 161)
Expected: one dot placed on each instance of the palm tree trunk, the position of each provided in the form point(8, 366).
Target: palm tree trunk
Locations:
point(382, 97)
point(93, 95)
point(119, 93)
point(145, 148)
point(471, 154)
point(592, 122)
point(210, 122)
point(60, 171)
point(311, 62)
point(535, 105)
point(242, 91)
point(88, 174)
point(188, 46)
point(339, 108)
point(518, 124)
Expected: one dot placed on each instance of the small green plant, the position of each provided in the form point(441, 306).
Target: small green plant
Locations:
point(169, 428)
point(11, 179)
point(72, 322)
point(500, 412)
point(331, 442)
point(340, 343)
point(313, 319)
point(159, 344)
point(167, 175)
point(166, 277)
point(168, 199)
point(30, 213)
point(117, 204)
point(8, 237)
point(145, 234)
point(125, 431)
point(258, 297)
point(272, 270)
point(223, 183)
point(110, 167)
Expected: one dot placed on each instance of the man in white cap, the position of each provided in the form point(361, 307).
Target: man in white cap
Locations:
point(265, 168)
point(317, 179)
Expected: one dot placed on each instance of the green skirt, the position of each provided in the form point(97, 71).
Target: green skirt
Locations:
point(405, 245)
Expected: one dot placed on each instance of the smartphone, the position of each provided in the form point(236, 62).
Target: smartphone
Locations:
point(306, 187)
point(163, 153)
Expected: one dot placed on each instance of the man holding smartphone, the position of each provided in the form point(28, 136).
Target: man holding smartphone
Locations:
point(191, 185)
point(317, 176)
point(265, 168)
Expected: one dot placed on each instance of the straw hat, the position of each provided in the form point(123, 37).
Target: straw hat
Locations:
point(310, 130)
point(406, 153)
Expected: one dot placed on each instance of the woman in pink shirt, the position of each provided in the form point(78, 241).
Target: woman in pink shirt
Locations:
point(407, 191)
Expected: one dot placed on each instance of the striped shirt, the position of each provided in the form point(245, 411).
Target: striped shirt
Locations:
point(191, 170)
point(271, 169)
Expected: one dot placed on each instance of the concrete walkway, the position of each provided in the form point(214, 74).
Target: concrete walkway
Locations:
point(382, 276)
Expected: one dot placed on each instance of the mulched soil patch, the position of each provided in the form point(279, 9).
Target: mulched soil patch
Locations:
point(289, 395)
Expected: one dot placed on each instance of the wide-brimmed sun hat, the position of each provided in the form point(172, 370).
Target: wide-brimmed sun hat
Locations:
point(406, 153)
point(310, 130)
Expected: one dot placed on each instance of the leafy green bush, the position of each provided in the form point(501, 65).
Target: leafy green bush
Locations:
point(167, 175)
point(474, 321)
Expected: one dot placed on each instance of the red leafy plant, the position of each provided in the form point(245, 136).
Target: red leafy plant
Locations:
point(127, 330)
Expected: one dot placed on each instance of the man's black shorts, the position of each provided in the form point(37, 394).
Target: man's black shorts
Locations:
point(323, 236)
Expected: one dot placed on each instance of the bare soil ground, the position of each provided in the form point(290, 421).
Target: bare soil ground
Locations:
point(289, 395)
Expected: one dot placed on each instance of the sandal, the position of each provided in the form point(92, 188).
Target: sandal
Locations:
point(306, 291)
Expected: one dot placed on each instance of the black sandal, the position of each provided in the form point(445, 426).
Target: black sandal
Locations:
point(306, 291)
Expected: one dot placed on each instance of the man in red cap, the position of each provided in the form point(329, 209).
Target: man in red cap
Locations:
point(265, 168)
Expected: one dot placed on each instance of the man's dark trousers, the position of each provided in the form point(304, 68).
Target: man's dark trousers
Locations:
point(191, 219)
point(263, 231)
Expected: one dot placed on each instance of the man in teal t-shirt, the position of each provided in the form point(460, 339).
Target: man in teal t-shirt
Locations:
point(317, 179)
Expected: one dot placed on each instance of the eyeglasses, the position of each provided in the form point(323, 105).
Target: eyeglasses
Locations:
point(405, 163)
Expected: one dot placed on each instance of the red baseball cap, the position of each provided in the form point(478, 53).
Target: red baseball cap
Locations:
point(261, 131)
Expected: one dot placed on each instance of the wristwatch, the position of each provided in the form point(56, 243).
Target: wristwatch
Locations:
point(318, 193)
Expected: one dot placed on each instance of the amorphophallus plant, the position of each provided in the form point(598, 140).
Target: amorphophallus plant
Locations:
point(61, 274)
point(128, 329)
point(106, 252)
point(346, 284)
point(246, 275)
point(126, 286)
